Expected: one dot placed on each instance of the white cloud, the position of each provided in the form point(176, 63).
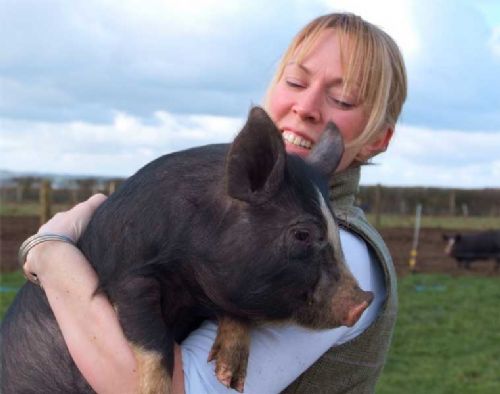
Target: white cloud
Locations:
point(495, 41)
point(192, 17)
point(398, 22)
point(423, 156)
point(104, 86)
point(417, 156)
point(118, 148)
point(64, 61)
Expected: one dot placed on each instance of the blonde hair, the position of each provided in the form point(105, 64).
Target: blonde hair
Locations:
point(370, 59)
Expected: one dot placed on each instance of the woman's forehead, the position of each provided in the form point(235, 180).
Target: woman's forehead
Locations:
point(338, 50)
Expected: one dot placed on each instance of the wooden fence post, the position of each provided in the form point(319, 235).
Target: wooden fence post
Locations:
point(45, 201)
point(412, 263)
point(112, 187)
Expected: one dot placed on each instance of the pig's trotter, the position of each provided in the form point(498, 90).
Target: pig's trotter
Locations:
point(230, 352)
point(230, 363)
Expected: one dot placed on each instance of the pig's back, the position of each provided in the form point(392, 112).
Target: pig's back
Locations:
point(152, 209)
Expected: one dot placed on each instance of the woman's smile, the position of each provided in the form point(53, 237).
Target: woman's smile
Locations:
point(296, 142)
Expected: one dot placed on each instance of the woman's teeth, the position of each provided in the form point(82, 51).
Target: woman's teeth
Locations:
point(294, 139)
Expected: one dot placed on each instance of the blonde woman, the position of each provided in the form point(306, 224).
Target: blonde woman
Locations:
point(338, 68)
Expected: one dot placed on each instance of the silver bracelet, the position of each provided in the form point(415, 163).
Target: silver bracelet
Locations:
point(38, 239)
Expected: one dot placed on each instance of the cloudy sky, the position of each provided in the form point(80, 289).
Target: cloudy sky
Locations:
point(101, 87)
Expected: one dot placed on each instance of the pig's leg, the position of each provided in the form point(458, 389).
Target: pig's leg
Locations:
point(153, 376)
point(230, 352)
point(137, 301)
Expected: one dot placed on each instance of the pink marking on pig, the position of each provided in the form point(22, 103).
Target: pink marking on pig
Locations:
point(350, 301)
point(449, 246)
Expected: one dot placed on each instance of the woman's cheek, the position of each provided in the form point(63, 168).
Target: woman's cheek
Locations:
point(278, 103)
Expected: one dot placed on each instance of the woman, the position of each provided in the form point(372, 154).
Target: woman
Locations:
point(338, 68)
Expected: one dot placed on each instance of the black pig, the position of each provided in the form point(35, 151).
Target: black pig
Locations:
point(240, 232)
point(466, 248)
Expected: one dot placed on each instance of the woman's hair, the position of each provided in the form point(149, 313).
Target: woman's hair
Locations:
point(370, 59)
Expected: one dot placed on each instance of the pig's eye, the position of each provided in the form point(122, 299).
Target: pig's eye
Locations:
point(302, 239)
point(301, 235)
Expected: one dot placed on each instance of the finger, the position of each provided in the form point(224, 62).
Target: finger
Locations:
point(53, 224)
point(88, 206)
point(72, 223)
point(82, 213)
point(96, 200)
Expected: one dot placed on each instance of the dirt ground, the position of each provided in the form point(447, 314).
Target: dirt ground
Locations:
point(430, 257)
point(13, 231)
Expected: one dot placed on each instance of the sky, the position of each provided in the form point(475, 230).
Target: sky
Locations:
point(102, 87)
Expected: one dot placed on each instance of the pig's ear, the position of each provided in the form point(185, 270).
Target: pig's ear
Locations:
point(255, 165)
point(326, 154)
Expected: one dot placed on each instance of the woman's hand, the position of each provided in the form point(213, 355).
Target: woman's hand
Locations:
point(71, 224)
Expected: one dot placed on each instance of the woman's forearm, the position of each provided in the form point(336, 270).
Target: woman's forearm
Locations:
point(88, 322)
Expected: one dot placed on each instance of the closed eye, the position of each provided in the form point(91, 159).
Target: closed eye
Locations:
point(294, 84)
point(342, 104)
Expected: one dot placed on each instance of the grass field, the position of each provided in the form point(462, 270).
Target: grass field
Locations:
point(446, 341)
point(447, 338)
point(9, 283)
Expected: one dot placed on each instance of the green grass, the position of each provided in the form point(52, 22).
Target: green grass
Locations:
point(9, 283)
point(447, 337)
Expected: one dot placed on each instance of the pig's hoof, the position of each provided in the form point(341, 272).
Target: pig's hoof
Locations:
point(230, 364)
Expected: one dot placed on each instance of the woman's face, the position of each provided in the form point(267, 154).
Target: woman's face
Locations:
point(310, 94)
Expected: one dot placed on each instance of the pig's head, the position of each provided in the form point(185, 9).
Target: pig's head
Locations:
point(277, 253)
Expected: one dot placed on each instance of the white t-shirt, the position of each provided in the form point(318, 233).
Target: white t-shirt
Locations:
point(280, 353)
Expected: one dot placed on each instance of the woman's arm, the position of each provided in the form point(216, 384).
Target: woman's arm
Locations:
point(88, 322)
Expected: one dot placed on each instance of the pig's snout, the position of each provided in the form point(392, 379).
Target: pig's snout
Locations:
point(355, 311)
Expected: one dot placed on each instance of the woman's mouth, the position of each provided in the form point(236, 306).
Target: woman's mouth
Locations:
point(297, 140)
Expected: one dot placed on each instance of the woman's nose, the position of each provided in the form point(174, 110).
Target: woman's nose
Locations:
point(308, 106)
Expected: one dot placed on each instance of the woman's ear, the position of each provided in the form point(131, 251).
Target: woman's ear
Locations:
point(378, 145)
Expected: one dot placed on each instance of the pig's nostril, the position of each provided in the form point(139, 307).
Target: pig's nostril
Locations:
point(369, 296)
point(354, 313)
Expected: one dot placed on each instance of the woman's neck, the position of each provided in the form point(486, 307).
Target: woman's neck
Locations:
point(344, 186)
